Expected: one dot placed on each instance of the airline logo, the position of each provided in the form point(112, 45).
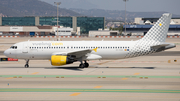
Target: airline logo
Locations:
point(95, 49)
point(56, 43)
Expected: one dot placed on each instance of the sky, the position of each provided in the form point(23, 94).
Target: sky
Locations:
point(171, 6)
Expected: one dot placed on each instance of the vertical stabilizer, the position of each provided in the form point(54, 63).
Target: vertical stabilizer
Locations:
point(159, 31)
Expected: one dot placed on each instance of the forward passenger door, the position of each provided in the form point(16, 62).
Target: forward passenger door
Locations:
point(25, 48)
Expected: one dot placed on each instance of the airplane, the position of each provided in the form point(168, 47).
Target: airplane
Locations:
point(66, 52)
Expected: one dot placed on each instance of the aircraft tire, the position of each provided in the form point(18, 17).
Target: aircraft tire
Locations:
point(81, 66)
point(86, 65)
point(26, 66)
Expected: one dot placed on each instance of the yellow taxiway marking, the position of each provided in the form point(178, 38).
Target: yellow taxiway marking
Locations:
point(35, 73)
point(124, 78)
point(75, 94)
point(10, 78)
point(104, 62)
point(136, 73)
point(98, 87)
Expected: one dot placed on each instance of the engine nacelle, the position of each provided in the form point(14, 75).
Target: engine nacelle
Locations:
point(58, 60)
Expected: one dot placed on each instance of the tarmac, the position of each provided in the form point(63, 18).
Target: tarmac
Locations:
point(148, 78)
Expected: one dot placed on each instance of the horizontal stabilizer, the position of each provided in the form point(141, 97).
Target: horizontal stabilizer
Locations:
point(164, 45)
point(159, 46)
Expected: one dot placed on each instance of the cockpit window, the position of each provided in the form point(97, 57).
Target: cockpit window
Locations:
point(13, 47)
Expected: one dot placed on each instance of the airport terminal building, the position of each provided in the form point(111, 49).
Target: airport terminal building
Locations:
point(143, 29)
point(142, 26)
point(25, 25)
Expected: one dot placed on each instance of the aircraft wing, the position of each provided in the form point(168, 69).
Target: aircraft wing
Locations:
point(79, 53)
point(85, 54)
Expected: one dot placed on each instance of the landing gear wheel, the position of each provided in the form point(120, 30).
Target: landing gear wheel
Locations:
point(26, 66)
point(81, 66)
point(86, 65)
point(27, 63)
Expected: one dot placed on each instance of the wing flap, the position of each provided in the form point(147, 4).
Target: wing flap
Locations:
point(93, 57)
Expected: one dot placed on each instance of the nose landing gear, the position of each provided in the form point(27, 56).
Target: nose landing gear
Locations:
point(27, 64)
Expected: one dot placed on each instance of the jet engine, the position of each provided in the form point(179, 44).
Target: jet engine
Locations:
point(58, 60)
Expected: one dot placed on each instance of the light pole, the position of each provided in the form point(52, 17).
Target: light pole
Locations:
point(57, 3)
point(125, 14)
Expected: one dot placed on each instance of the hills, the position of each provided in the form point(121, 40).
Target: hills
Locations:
point(18, 8)
point(118, 15)
point(82, 4)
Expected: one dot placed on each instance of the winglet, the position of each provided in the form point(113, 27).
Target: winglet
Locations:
point(95, 49)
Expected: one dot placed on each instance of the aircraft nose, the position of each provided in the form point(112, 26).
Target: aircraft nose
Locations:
point(6, 53)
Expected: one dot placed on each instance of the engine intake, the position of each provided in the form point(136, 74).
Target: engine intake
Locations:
point(60, 60)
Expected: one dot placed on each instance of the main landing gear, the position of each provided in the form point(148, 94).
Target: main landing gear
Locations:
point(84, 65)
point(27, 64)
